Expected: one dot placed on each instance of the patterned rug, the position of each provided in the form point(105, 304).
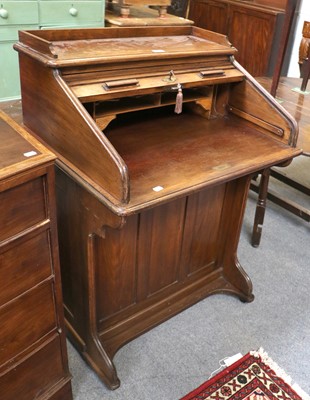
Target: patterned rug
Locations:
point(253, 377)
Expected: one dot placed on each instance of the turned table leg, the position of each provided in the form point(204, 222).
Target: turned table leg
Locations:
point(260, 208)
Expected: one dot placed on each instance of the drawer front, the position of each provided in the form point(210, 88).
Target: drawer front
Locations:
point(19, 12)
point(32, 378)
point(70, 13)
point(10, 33)
point(26, 320)
point(22, 207)
point(10, 87)
point(9, 69)
point(23, 265)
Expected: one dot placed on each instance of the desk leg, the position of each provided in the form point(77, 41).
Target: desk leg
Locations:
point(260, 208)
point(238, 282)
point(89, 346)
point(96, 355)
point(79, 224)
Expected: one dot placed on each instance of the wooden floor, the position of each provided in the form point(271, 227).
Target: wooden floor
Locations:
point(297, 104)
point(294, 194)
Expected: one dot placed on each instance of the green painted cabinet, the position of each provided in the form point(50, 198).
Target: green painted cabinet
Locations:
point(68, 13)
point(14, 15)
point(38, 14)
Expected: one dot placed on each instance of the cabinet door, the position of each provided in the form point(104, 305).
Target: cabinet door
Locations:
point(211, 15)
point(252, 32)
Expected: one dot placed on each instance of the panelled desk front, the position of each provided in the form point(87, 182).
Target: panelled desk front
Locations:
point(150, 202)
point(33, 358)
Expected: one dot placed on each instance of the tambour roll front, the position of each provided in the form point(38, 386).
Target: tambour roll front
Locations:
point(158, 132)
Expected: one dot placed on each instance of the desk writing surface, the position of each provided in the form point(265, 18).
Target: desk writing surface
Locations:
point(181, 153)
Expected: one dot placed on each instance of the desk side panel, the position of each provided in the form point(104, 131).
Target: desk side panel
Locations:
point(52, 112)
point(256, 104)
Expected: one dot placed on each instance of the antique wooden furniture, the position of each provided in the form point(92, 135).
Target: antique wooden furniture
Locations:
point(286, 32)
point(252, 26)
point(179, 8)
point(150, 199)
point(141, 16)
point(304, 55)
point(33, 359)
point(125, 6)
point(298, 105)
point(34, 14)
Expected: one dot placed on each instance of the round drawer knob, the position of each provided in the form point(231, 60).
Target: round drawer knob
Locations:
point(4, 13)
point(73, 11)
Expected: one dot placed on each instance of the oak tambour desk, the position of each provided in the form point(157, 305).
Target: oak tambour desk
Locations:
point(157, 132)
point(33, 358)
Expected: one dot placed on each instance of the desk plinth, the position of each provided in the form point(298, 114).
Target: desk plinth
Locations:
point(150, 203)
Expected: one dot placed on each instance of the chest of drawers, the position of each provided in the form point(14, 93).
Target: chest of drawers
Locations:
point(21, 15)
point(14, 15)
point(70, 14)
point(33, 360)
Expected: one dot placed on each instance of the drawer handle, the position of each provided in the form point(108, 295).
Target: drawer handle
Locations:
point(4, 13)
point(210, 73)
point(120, 84)
point(73, 11)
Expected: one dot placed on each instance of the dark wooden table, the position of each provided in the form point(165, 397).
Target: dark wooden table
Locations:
point(297, 103)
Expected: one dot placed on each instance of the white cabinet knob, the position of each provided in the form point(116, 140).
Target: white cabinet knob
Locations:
point(4, 13)
point(73, 11)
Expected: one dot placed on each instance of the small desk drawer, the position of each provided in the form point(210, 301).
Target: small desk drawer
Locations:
point(25, 320)
point(24, 264)
point(32, 378)
point(71, 13)
point(19, 12)
point(22, 207)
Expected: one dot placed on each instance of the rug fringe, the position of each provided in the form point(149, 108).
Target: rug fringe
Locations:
point(261, 353)
point(300, 392)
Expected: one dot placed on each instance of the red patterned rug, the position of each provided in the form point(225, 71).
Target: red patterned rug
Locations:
point(253, 377)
